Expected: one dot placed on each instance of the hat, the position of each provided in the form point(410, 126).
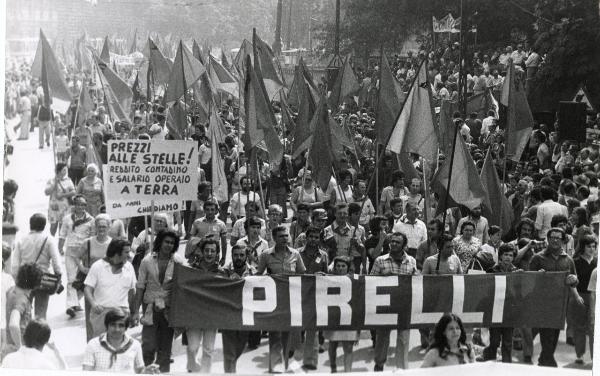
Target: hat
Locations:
point(319, 214)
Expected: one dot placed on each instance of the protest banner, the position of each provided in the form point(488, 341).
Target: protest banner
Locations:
point(140, 172)
point(279, 302)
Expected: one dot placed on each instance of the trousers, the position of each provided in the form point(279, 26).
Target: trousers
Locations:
point(578, 317)
point(195, 339)
point(548, 340)
point(157, 342)
point(311, 348)
point(44, 130)
point(234, 343)
point(40, 303)
point(71, 264)
point(499, 336)
point(382, 343)
point(279, 344)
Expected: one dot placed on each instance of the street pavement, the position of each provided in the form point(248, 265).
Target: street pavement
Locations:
point(32, 167)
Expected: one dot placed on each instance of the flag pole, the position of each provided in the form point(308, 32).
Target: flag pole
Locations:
point(186, 130)
point(337, 181)
point(463, 83)
point(262, 197)
point(378, 155)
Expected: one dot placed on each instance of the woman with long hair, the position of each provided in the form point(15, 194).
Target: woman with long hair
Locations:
point(449, 346)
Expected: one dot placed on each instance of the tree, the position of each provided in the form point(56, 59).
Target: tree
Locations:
point(568, 35)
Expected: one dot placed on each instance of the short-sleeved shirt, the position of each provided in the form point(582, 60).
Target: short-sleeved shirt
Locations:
point(342, 235)
point(17, 299)
point(387, 195)
point(78, 156)
point(75, 235)
point(240, 199)
point(386, 265)
point(203, 228)
point(449, 266)
point(288, 262)
point(238, 230)
point(254, 250)
point(416, 232)
point(317, 262)
point(99, 358)
point(28, 358)
point(111, 289)
point(544, 260)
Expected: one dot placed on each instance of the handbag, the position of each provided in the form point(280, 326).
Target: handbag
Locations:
point(50, 282)
point(80, 277)
point(472, 269)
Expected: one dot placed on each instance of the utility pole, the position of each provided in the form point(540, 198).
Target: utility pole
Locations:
point(289, 25)
point(336, 47)
point(277, 42)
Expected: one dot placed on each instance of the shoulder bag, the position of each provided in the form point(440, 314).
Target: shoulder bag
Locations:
point(50, 282)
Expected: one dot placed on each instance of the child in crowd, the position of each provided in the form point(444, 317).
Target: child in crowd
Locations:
point(506, 255)
point(341, 266)
point(61, 145)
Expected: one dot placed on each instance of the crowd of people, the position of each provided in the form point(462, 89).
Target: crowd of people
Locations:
point(284, 223)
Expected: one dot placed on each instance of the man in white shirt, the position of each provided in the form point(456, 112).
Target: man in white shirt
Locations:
point(159, 222)
point(157, 130)
point(237, 204)
point(519, 55)
point(31, 356)
point(503, 59)
point(414, 229)
point(487, 124)
point(546, 210)
point(238, 230)
point(110, 283)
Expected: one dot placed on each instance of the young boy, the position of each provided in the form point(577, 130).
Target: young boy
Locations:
point(506, 255)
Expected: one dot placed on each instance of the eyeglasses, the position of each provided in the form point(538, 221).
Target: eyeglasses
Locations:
point(395, 241)
point(557, 238)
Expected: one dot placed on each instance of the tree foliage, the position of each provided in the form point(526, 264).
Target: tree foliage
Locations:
point(569, 36)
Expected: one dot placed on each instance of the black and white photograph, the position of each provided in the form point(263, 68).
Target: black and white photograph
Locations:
point(300, 186)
